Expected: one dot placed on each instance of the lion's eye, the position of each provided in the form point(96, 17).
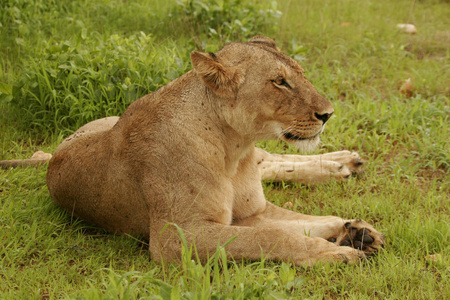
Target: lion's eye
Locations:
point(281, 82)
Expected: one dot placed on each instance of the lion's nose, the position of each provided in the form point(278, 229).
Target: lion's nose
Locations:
point(323, 117)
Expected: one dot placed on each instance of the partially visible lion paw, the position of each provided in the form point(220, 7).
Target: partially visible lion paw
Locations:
point(352, 161)
point(346, 255)
point(360, 235)
point(335, 169)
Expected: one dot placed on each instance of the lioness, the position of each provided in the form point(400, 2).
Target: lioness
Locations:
point(185, 155)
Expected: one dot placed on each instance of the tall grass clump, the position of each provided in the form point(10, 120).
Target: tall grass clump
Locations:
point(77, 81)
point(226, 20)
point(26, 25)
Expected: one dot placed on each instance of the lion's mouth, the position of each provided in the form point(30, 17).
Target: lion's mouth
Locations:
point(293, 137)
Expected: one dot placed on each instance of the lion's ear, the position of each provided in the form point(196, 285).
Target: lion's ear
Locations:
point(223, 80)
point(264, 40)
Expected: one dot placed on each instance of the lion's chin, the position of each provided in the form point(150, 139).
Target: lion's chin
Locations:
point(305, 145)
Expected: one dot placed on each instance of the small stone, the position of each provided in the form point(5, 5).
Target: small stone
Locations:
point(407, 28)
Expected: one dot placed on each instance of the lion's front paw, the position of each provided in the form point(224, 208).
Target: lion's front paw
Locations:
point(352, 161)
point(360, 235)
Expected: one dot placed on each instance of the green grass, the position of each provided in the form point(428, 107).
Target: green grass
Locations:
point(63, 63)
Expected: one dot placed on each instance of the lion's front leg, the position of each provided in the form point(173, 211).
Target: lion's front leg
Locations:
point(308, 169)
point(353, 233)
point(247, 242)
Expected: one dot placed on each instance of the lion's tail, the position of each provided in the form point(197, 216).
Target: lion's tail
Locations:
point(38, 158)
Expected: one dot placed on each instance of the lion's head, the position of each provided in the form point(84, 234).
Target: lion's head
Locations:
point(263, 93)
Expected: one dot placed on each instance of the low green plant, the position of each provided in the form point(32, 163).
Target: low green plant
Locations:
point(89, 77)
point(226, 20)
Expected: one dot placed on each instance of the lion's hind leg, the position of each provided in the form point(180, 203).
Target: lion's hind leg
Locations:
point(308, 169)
point(309, 172)
point(92, 127)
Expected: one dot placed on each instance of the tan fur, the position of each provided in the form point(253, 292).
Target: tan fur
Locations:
point(38, 158)
point(185, 155)
point(309, 169)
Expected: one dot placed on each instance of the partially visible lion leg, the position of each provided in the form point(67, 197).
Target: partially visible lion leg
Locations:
point(249, 243)
point(355, 233)
point(308, 169)
point(310, 172)
point(38, 158)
